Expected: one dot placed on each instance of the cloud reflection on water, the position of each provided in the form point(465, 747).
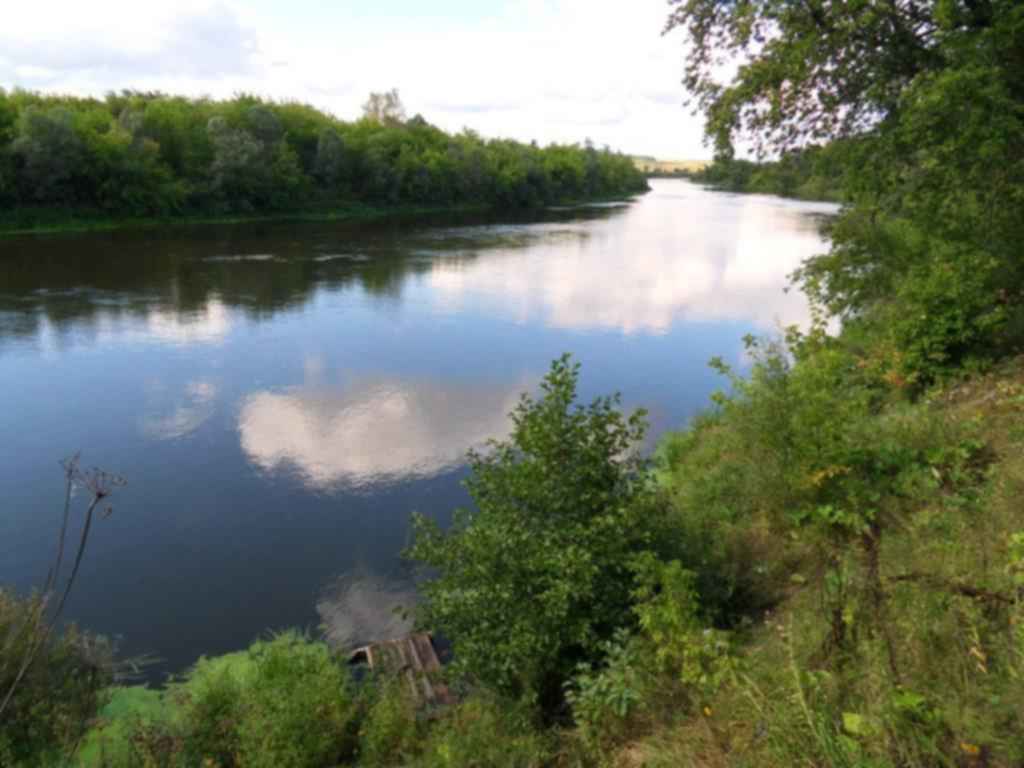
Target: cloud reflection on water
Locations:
point(685, 256)
point(365, 608)
point(170, 417)
point(372, 431)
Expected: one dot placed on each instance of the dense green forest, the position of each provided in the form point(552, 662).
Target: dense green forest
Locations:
point(826, 568)
point(813, 173)
point(153, 155)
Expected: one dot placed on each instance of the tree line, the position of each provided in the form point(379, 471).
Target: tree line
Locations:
point(151, 154)
point(812, 173)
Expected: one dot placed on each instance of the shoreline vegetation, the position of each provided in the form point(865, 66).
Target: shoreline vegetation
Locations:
point(69, 163)
point(48, 223)
point(813, 174)
point(824, 568)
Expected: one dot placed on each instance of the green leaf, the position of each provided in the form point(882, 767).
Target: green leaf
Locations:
point(854, 724)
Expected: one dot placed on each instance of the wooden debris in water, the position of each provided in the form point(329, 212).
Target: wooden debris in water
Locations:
point(415, 659)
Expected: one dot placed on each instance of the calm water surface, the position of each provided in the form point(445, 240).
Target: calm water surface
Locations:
point(281, 397)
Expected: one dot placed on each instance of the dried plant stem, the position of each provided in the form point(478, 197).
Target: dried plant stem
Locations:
point(99, 483)
point(78, 556)
point(69, 475)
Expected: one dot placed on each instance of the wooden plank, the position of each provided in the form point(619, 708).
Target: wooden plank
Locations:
point(412, 658)
point(425, 649)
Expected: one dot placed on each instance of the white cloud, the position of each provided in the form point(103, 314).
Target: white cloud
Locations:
point(551, 70)
point(113, 40)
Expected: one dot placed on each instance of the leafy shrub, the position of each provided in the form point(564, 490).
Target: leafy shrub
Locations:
point(285, 702)
point(135, 728)
point(212, 707)
point(62, 690)
point(486, 732)
point(538, 577)
point(675, 661)
point(391, 732)
point(604, 697)
point(684, 646)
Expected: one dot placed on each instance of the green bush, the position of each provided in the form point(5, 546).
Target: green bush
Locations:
point(537, 577)
point(300, 706)
point(392, 731)
point(135, 728)
point(62, 690)
point(212, 707)
point(605, 697)
point(284, 702)
point(682, 645)
point(486, 732)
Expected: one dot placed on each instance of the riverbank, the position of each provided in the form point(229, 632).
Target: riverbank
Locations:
point(47, 223)
point(815, 174)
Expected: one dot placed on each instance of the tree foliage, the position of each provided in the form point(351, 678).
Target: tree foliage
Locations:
point(538, 576)
point(150, 154)
point(924, 104)
point(385, 107)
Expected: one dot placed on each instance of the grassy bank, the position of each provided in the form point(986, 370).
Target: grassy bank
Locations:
point(876, 554)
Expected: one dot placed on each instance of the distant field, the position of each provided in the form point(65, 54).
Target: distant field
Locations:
point(651, 165)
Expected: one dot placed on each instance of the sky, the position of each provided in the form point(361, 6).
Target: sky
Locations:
point(544, 70)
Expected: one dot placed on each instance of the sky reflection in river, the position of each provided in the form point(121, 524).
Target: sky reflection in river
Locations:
point(370, 432)
point(686, 257)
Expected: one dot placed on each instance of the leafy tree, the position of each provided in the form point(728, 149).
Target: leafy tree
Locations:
point(538, 576)
point(811, 70)
point(330, 164)
point(51, 153)
point(928, 97)
point(8, 120)
point(384, 108)
point(238, 173)
point(143, 154)
point(264, 125)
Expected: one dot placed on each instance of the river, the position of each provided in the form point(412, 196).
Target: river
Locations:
point(280, 397)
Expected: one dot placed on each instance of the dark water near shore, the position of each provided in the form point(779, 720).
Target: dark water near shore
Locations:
point(281, 397)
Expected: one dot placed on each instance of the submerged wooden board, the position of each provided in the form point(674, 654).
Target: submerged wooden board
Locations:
point(413, 658)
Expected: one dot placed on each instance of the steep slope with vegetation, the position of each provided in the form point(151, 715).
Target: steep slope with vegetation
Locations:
point(66, 160)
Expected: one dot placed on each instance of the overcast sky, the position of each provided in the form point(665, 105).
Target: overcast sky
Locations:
point(550, 70)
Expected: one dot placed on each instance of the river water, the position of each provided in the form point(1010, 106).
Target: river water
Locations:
point(280, 397)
